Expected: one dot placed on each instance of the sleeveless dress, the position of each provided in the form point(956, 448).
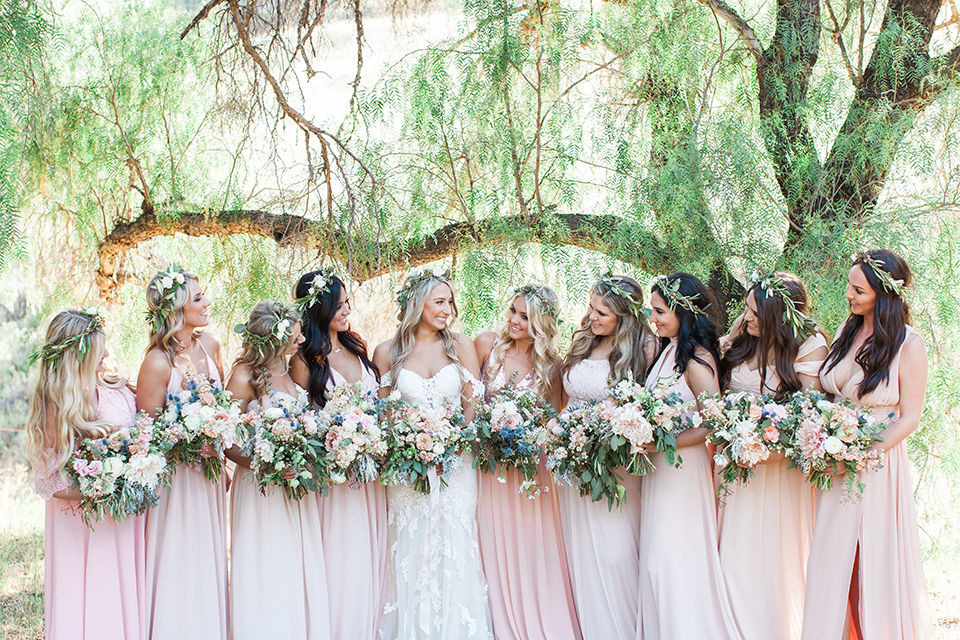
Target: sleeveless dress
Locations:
point(521, 545)
point(278, 585)
point(435, 582)
point(602, 545)
point(353, 523)
point(187, 553)
point(766, 526)
point(881, 528)
point(93, 579)
point(682, 592)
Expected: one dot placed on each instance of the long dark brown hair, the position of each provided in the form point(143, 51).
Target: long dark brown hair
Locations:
point(891, 315)
point(776, 337)
point(316, 330)
point(695, 328)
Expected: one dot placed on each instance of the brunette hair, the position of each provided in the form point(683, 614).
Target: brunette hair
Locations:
point(776, 336)
point(316, 332)
point(696, 329)
point(891, 315)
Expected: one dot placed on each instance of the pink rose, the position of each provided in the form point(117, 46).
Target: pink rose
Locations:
point(770, 434)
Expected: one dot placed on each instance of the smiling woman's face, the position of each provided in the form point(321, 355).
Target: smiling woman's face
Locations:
point(664, 320)
point(438, 308)
point(860, 294)
point(603, 321)
point(197, 306)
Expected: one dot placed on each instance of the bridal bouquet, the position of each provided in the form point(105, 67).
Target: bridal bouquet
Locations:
point(590, 442)
point(197, 425)
point(422, 438)
point(352, 436)
point(832, 437)
point(511, 430)
point(285, 448)
point(745, 431)
point(119, 475)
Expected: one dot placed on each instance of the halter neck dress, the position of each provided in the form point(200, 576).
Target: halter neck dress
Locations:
point(602, 544)
point(880, 529)
point(93, 578)
point(521, 545)
point(278, 581)
point(353, 522)
point(187, 552)
point(766, 526)
point(682, 591)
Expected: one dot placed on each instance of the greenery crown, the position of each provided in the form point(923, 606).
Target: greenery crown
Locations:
point(536, 291)
point(673, 297)
point(281, 329)
point(887, 281)
point(615, 285)
point(80, 342)
point(167, 285)
point(318, 287)
point(415, 279)
point(802, 324)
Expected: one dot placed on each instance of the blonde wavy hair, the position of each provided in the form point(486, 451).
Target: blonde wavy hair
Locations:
point(270, 353)
point(627, 358)
point(165, 338)
point(543, 328)
point(66, 395)
point(409, 317)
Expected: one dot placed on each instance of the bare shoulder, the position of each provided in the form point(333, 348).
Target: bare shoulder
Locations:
point(210, 342)
point(463, 344)
point(240, 375)
point(913, 351)
point(381, 355)
point(483, 344)
point(156, 364)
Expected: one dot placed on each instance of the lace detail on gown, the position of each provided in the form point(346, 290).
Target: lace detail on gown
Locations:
point(437, 589)
point(586, 381)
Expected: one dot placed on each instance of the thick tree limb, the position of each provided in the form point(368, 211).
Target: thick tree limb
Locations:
point(200, 17)
point(594, 232)
point(729, 15)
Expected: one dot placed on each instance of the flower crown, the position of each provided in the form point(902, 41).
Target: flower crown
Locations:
point(887, 281)
point(80, 342)
point(536, 291)
point(615, 285)
point(802, 324)
point(673, 297)
point(318, 286)
point(414, 280)
point(281, 330)
point(167, 285)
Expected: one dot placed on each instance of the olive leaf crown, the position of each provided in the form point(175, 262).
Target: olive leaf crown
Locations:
point(615, 285)
point(536, 291)
point(414, 280)
point(318, 286)
point(887, 281)
point(80, 342)
point(673, 297)
point(802, 324)
point(167, 284)
point(281, 329)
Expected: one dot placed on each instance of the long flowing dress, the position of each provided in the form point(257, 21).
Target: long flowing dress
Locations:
point(93, 579)
point(187, 553)
point(278, 583)
point(682, 592)
point(354, 527)
point(766, 526)
point(521, 544)
point(880, 530)
point(602, 544)
point(435, 581)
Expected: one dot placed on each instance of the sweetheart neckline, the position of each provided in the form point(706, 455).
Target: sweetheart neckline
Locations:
point(402, 369)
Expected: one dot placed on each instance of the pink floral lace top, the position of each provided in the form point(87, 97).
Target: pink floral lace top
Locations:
point(116, 406)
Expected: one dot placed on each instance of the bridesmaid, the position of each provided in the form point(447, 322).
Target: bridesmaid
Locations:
point(682, 593)
point(353, 520)
point(277, 578)
point(602, 545)
point(865, 574)
point(766, 525)
point(187, 532)
point(93, 579)
point(521, 543)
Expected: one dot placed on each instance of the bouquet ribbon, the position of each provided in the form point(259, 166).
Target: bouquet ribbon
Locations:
point(428, 572)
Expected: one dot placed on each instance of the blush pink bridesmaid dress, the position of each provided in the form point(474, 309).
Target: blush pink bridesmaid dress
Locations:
point(93, 579)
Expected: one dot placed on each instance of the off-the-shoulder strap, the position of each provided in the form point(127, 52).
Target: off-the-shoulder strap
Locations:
point(386, 380)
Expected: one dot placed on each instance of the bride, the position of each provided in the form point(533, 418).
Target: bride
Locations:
point(436, 587)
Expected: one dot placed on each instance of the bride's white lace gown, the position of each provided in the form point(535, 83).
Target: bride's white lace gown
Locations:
point(435, 586)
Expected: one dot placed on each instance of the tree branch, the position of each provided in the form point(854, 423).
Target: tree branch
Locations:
point(729, 15)
point(200, 17)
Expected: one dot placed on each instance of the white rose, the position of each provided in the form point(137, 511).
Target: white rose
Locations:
point(720, 460)
point(337, 478)
point(273, 413)
point(179, 278)
point(282, 327)
point(696, 420)
point(438, 448)
point(113, 466)
point(192, 422)
point(833, 445)
point(394, 396)
point(166, 282)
